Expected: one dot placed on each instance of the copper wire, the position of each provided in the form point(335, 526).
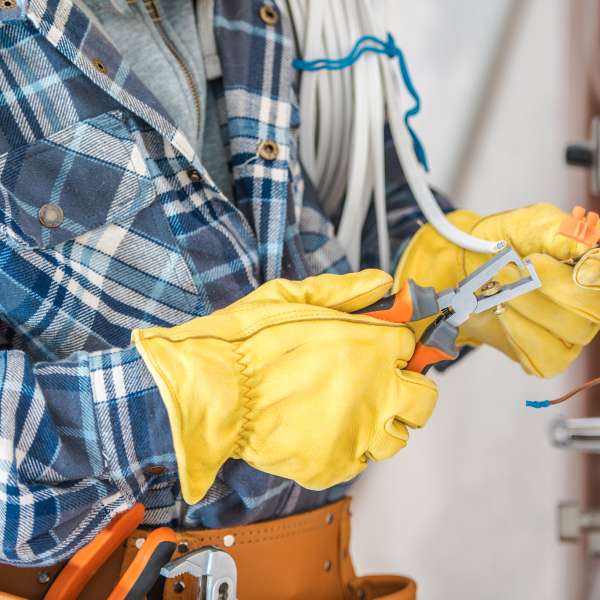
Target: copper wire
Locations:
point(584, 386)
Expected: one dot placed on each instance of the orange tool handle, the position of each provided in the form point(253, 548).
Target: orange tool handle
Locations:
point(425, 356)
point(411, 303)
point(397, 308)
point(87, 560)
point(144, 571)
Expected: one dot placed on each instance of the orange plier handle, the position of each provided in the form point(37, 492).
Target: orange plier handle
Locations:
point(413, 303)
point(87, 560)
point(140, 575)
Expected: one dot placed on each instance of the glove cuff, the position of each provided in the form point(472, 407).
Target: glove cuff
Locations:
point(202, 384)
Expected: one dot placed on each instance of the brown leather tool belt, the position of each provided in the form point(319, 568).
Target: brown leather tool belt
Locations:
point(302, 557)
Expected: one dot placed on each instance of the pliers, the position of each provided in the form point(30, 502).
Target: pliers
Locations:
point(475, 294)
point(139, 577)
point(214, 569)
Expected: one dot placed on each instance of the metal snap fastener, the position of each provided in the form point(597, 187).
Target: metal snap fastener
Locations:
point(327, 565)
point(329, 518)
point(179, 587)
point(228, 540)
point(194, 175)
point(268, 13)
point(51, 215)
point(43, 577)
point(268, 149)
point(183, 547)
point(154, 470)
point(100, 66)
point(139, 542)
point(8, 4)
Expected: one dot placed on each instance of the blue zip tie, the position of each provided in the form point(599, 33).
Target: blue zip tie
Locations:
point(389, 48)
point(537, 403)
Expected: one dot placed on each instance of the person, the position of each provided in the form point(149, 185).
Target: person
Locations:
point(177, 318)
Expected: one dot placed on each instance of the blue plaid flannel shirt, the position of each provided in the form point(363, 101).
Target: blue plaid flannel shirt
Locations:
point(144, 241)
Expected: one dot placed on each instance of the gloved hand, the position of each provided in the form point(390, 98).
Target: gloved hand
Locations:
point(544, 330)
point(287, 380)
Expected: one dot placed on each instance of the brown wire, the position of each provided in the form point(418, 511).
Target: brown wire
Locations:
point(584, 386)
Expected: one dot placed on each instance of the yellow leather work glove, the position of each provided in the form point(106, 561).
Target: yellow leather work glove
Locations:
point(287, 380)
point(544, 330)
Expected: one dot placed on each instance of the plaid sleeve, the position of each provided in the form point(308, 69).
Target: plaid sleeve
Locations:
point(77, 438)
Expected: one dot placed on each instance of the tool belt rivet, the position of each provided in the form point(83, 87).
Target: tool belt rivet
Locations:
point(43, 577)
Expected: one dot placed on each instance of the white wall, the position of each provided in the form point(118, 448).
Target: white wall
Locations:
point(468, 509)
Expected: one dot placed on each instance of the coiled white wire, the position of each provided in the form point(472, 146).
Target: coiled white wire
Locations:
point(343, 115)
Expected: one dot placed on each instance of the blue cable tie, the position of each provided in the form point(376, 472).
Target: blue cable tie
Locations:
point(389, 48)
point(537, 403)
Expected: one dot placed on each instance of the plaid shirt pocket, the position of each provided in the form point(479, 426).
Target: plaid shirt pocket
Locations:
point(76, 180)
point(86, 253)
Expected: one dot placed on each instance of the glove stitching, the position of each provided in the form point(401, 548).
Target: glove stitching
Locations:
point(312, 314)
point(245, 390)
point(289, 317)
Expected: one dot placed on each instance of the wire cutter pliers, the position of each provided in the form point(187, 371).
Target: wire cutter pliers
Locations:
point(475, 294)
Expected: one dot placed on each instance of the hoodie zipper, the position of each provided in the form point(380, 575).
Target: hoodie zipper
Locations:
point(154, 13)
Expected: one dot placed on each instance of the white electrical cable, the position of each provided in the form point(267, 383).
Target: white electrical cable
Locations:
point(312, 46)
point(343, 117)
point(359, 170)
point(367, 154)
point(413, 171)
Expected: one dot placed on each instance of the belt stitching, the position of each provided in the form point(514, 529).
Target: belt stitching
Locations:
point(277, 531)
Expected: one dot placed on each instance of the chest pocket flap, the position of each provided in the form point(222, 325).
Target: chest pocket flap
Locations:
point(73, 181)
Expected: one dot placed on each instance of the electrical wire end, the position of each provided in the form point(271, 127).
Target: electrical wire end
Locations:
point(537, 403)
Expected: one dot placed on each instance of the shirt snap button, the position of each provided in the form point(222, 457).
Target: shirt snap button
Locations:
point(154, 470)
point(8, 4)
point(194, 175)
point(269, 14)
point(100, 66)
point(268, 149)
point(51, 215)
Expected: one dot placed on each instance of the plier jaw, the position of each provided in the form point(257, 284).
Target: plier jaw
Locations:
point(475, 294)
point(479, 291)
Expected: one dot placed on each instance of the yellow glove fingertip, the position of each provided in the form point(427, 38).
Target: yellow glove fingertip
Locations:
point(388, 441)
point(416, 399)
